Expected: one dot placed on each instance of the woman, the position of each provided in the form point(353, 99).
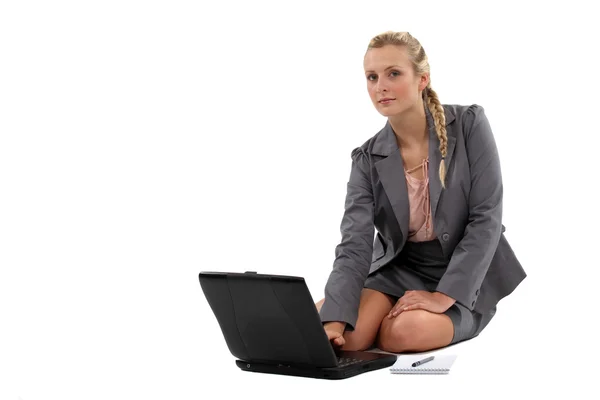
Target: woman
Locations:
point(430, 183)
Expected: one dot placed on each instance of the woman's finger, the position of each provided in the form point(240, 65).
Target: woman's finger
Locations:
point(391, 312)
point(399, 307)
point(414, 306)
point(394, 310)
point(398, 311)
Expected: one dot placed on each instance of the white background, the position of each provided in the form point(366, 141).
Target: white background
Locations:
point(144, 142)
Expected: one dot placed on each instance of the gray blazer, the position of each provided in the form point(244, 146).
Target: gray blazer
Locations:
point(467, 217)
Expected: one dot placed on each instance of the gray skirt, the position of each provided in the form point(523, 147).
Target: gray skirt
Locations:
point(420, 266)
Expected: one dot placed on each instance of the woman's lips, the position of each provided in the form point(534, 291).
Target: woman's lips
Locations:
point(388, 101)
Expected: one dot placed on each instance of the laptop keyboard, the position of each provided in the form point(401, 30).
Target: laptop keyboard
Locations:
point(345, 361)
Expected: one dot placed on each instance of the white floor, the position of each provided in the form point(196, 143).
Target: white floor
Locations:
point(171, 347)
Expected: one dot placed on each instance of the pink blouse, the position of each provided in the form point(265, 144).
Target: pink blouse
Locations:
point(421, 223)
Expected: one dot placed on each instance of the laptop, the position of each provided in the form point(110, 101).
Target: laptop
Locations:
point(271, 325)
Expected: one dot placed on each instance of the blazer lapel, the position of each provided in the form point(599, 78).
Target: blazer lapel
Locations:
point(391, 175)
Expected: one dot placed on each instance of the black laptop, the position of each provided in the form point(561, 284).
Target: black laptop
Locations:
point(271, 325)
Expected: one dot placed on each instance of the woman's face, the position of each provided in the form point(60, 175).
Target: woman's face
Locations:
point(389, 74)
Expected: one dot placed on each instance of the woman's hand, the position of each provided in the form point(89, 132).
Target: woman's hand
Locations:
point(335, 332)
point(436, 302)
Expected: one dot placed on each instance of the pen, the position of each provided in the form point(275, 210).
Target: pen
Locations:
point(423, 361)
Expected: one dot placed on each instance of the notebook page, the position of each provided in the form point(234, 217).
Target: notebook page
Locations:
point(440, 364)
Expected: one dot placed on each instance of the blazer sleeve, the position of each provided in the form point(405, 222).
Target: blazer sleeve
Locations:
point(353, 254)
point(472, 256)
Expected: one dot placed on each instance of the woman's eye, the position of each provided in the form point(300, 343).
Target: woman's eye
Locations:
point(375, 76)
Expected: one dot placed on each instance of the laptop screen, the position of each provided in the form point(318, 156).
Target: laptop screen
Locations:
point(268, 318)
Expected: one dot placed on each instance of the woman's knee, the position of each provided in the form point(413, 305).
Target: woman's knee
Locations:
point(409, 331)
point(401, 329)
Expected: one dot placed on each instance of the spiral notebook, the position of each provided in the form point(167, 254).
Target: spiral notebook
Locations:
point(441, 364)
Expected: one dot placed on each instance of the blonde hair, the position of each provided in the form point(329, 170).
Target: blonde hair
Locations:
point(420, 62)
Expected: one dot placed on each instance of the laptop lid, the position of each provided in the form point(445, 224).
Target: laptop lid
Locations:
point(268, 318)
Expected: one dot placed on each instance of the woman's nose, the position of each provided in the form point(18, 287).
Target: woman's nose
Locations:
point(379, 88)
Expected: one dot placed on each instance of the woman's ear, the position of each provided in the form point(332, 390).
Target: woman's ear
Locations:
point(423, 82)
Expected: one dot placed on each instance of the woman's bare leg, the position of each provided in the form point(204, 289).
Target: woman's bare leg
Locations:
point(415, 330)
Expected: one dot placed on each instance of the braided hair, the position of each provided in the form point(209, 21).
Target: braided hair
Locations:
point(420, 63)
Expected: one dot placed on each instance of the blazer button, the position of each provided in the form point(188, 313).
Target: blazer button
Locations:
point(445, 237)
point(477, 292)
